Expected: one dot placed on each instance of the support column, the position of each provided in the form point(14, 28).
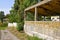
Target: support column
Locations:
point(59, 17)
point(35, 13)
point(35, 19)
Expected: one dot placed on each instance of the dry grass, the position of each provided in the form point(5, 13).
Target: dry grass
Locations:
point(21, 35)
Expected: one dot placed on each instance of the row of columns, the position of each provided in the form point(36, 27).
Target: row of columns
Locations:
point(36, 14)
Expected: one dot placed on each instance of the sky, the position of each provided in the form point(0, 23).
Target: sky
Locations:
point(5, 5)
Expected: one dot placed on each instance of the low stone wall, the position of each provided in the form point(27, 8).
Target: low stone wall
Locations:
point(47, 28)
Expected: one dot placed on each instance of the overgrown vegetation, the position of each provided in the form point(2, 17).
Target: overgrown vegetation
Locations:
point(17, 12)
point(29, 16)
point(3, 23)
point(1, 16)
point(19, 27)
point(34, 38)
point(3, 26)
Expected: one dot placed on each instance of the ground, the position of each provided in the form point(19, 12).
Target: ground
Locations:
point(0, 34)
point(20, 34)
point(6, 35)
point(11, 33)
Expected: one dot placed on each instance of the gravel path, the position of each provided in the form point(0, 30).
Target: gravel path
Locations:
point(6, 35)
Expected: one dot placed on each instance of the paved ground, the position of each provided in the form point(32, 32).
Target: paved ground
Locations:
point(0, 35)
point(6, 35)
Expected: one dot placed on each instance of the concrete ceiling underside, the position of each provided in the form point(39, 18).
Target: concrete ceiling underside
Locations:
point(50, 8)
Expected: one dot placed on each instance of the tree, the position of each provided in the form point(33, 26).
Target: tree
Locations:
point(17, 11)
point(14, 15)
point(1, 16)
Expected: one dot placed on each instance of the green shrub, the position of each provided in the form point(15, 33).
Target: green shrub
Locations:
point(20, 27)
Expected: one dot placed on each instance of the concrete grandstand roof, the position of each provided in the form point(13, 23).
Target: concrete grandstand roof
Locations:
point(46, 7)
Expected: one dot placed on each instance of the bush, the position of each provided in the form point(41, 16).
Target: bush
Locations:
point(20, 27)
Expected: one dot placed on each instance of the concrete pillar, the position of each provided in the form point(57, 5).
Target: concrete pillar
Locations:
point(35, 13)
point(59, 18)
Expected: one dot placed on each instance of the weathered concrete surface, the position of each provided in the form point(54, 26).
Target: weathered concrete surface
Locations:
point(6, 35)
point(46, 28)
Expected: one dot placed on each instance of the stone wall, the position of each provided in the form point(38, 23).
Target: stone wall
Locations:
point(45, 29)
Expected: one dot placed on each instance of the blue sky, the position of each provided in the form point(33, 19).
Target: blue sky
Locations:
point(5, 5)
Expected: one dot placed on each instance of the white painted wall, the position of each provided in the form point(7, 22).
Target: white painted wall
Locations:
point(12, 24)
point(15, 24)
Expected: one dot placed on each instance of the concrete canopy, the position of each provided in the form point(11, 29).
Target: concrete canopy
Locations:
point(46, 7)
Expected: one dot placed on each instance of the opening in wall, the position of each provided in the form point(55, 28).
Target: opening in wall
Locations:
point(43, 18)
point(29, 16)
point(40, 0)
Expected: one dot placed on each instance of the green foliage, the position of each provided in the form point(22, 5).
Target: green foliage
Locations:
point(3, 28)
point(42, 18)
point(34, 38)
point(30, 16)
point(3, 24)
point(1, 16)
point(12, 18)
point(14, 13)
point(17, 11)
point(48, 18)
point(20, 27)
